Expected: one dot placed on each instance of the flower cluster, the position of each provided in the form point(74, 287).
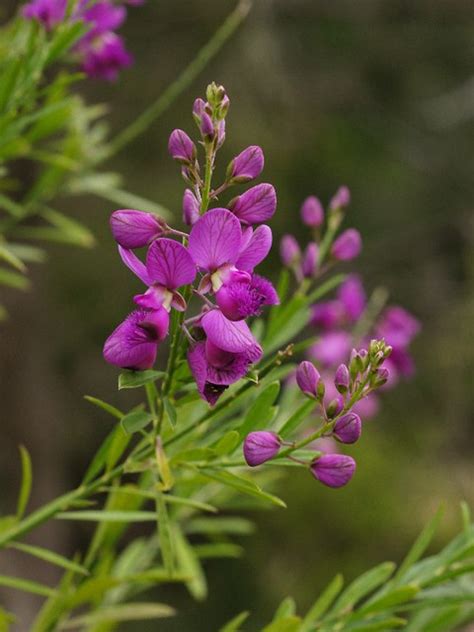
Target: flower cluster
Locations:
point(223, 248)
point(101, 53)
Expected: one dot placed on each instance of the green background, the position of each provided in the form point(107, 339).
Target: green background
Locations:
point(377, 95)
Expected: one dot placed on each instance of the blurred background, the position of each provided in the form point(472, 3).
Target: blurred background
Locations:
point(375, 95)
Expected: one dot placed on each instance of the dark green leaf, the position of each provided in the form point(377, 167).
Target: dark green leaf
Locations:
point(135, 379)
point(136, 421)
point(26, 481)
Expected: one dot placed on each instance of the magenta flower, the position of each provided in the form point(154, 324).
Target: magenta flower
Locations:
point(347, 246)
point(333, 470)
point(290, 251)
point(224, 357)
point(397, 326)
point(256, 205)
point(191, 208)
point(312, 212)
point(207, 126)
point(104, 18)
point(340, 199)
point(327, 314)
point(261, 446)
point(308, 378)
point(134, 229)
point(310, 260)
point(104, 57)
point(348, 428)
point(181, 147)
point(332, 348)
point(217, 245)
point(248, 165)
point(47, 12)
point(134, 343)
point(352, 296)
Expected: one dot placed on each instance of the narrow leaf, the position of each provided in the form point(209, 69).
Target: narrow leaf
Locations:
point(165, 534)
point(26, 481)
point(117, 613)
point(27, 586)
point(136, 421)
point(234, 624)
point(322, 603)
point(115, 412)
point(49, 556)
point(189, 565)
point(135, 379)
point(363, 585)
point(108, 516)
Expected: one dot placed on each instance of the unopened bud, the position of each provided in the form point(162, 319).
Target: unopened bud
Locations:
point(342, 379)
point(312, 213)
point(261, 446)
point(348, 428)
point(333, 470)
point(308, 378)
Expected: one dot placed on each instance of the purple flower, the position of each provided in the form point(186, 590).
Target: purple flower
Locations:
point(340, 199)
point(168, 266)
point(342, 379)
point(105, 57)
point(199, 106)
point(327, 314)
point(181, 147)
point(254, 247)
point(332, 348)
point(134, 343)
point(310, 260)
point(256, 205)
point(348, 428)
point(48, 12)
point(333, 470)
point(224, 357)
point(260, 446)
point(248, 165)
point(347, 246)
point(243, 297)
point(352, 296)
point(290, 251)
point(397, 326)
point(367, 407)
point(312, 212)
point(104, 18)
point(308, 378)
point(134, 229)
point(207, 126)
point(191, 208)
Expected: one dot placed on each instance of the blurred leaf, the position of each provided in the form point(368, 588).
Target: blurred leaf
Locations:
point(49, 556)
point(10, 257)
point(135, 379)
point(170, 411)
point(226, 524)
point(165, 533)
point(243, 485)
point(27, 253)
point(227, 443)
point(361, 586)
point(322, 603)
point(6, 618)
point(234, 624)
point(297, 418)
point(287, 608)
point(65, 36)
point(218, 549)
point(115, 412)
point(26, 482)
point(108, 450)
point(398, 595)
point(136, 421)
point(75, 232)
point(108, 516)
point(260, 412)
point(117, 613)
point(189, 565)
point(26, 585)
point(13, 279)
point(288, 624)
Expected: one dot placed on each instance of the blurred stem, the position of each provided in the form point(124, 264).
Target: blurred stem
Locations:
point(375, 305)
point(165, 100)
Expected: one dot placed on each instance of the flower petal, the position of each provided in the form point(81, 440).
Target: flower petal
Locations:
point(169, 263)
point(132, 262)
point(256, 250)
point(215, 239)
point(256, 205)
point(198, 365)
point(228, 335)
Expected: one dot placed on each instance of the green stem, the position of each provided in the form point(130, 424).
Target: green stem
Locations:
point(194, 68)
point(207, 179)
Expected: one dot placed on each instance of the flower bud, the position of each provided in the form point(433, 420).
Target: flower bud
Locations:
point(380, 377)
point(308, 378)
point(207, 126)
point(261, 446)
point(347, 246)
point(220, 133)
point(310, 260)
point(215, 94)
point(348, 428)
point(256, 205)
point(334, 407)
point(190, 208)
point(134, 229)
point(290, 251)
point(342, 379)
point(312, 213)
point(333, 470)
point(340, 199)
point(198, 109)
point(247, 165)
point(181, 147)
point(224, 107)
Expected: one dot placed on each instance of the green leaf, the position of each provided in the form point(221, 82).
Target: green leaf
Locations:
point(385, 623)
point(66, 35)
point(189, 565)
point(287, 608)
point(108, 516)
point(107, 451)
point(363, 585)
point(73, 230)
point(115, 412)
point(13, 279)
point(234, 624)
point(322, 603)
point(49, 556)
point(26, 482)
point(121, 612)
point(243, 485)
point(165, 534)
point(189, 502)
point(297, 418)
point(394, 597)
point(135, 379)
point(10, 257)
point(170, 411)
point(136, 421)
point(257, 416)
point(227, 443)
point(288, 624)
point(226, 524)
point(218, 549)
point(420, 545)
point(26, 586)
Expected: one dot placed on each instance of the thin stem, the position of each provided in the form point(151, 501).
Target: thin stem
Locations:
point(207, 178)
point(189, 74)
